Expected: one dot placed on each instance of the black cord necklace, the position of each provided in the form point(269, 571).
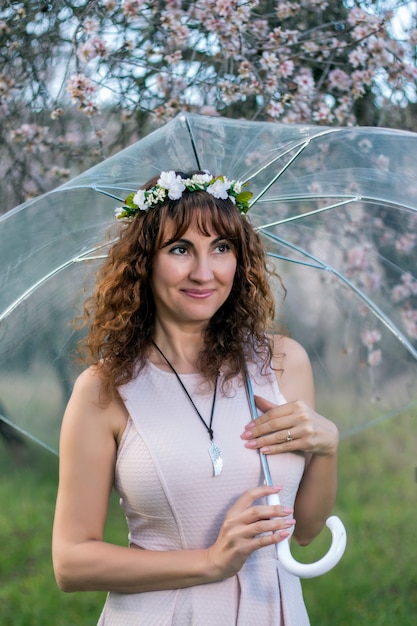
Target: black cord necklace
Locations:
point(214, 449)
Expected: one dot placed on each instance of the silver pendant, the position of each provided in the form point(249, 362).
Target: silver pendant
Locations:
point(216, 458)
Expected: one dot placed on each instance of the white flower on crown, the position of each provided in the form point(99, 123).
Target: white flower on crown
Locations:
point(237, 186)
point(173, 183)
point(200, 179)
point(140, 200)
point(219, 189)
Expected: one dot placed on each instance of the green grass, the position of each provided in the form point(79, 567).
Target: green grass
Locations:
point(374, 583)
point(28, 592)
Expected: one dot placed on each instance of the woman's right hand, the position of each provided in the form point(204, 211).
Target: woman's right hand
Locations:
point(243, 531)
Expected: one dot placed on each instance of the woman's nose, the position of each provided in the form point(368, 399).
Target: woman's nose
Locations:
point(201, 269)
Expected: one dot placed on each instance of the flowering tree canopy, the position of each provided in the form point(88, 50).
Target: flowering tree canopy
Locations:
point(82, 79)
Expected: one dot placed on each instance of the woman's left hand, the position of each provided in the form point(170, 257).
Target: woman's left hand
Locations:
point(290, 427)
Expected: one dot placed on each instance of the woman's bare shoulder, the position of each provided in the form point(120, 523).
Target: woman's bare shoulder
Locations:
point(293, 370)
point(288, 353)
point(89, 402)
point(89, 383)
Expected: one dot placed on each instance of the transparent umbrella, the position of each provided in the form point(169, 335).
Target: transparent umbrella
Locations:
point(337, 208)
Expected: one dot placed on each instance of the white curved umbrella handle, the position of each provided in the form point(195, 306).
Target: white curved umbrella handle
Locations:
point(323, 565)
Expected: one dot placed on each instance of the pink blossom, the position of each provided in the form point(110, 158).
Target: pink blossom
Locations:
point(92, 48)
point(305, 82)
point(405, 289)
point(365, 146)
point(361, 32)
point(409, 72)
point(79, 87)
point(356, 16)
point(91, 25)
point(285, 69)
point(287, 9)
point(323, 113)
point(315, 188)
point(271, 84)
point(260, 28)
point(89, 107)
point(338, 79)
point(224, 8)
point(409, 318)
point(57, 113)
point(383, 162)
point(371, 281)
point(275, 109)
point(370, 337)
point(406, 243)
point(30, 133)
point(357, 258)
point(374, 358)
point(269, 61)
point(59, 172)
point(6, 85)
point(310, 47)
point(399, 293)
point(176, 57)
point(245, 69)
point(358, 57)
point(409, 280)
point(132, 8)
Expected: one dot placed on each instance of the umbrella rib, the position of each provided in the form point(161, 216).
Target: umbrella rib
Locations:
point(193, 144)
point(301, 147)
point(373, 307)
point(293, 218)
point(107, 193)
point(282, 170)
point(296, 261)
point(303, 144)
point(27, 434)
point(45, 278)
point(349, 200)
point(378, 420)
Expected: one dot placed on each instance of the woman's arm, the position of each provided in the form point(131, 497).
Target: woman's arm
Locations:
point(310, 432)
point(83, 561)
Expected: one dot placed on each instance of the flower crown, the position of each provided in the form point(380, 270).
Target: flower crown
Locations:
point(171, 186)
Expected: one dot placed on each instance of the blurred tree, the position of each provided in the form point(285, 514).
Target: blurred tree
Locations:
point(79, 80)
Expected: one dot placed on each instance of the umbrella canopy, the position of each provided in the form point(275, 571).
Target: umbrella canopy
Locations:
point(337, 209)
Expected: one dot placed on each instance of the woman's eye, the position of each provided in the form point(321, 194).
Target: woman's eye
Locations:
point(179, 250)
point(222, 247)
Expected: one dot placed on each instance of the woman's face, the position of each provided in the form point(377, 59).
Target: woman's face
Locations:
point(192, 277)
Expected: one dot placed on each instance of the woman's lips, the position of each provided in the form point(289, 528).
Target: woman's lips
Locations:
point(198, 293)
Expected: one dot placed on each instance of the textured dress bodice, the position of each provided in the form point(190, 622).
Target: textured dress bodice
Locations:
point(172, 501)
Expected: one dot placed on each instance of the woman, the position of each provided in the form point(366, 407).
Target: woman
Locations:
point(180, 312)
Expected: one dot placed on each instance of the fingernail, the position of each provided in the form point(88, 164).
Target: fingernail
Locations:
point(264, 450)
point(287, 509)
point(246, 435)
point(250, 425)
point(250, 444)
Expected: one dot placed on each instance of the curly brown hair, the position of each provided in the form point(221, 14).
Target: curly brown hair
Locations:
point(120, 314)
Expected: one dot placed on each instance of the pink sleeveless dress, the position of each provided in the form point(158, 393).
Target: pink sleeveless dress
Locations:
point(171, 500)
